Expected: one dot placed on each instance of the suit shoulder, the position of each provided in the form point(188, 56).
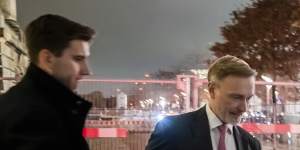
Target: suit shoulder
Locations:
point(186, 117)
point(252, 140)
point(22, 101)
point(245, 133)
point(179, 123)
point(16, 96)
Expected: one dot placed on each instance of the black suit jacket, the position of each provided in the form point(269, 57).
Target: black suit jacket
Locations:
point(191, 131)
point(39, 113)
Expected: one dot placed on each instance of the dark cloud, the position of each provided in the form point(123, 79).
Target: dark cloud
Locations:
point(138, 36)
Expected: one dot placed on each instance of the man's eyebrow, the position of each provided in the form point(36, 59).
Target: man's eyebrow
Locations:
point(240, 95)
point(79, 56)
point(235, 94)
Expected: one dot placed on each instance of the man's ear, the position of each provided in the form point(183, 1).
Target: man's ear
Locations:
point(211, 90)
point(46, 60)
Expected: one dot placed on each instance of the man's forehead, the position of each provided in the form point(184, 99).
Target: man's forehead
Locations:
point(238, 83)
point(78, 43)
point(77, 53)
point(81, 53)
point(238, 79)
point(79, 48)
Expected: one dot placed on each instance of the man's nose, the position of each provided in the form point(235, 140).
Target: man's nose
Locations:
point(85, 69)
point(243, 106)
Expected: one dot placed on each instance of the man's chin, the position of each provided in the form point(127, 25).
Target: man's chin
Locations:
point(234, 121)
point(73, 87)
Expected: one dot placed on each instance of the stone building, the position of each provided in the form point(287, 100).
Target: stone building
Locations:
point(13, 54)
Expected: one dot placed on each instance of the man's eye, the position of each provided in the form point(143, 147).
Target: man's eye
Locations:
point(235, 96)
point(248, 98)
point(78, 58)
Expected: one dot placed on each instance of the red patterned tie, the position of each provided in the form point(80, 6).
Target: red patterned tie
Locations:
point(222, 130)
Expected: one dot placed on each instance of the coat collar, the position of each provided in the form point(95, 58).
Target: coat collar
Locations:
point(239, 140)
point(200, 128)
point(55, 93)
point(214, 121)
point(201, 131)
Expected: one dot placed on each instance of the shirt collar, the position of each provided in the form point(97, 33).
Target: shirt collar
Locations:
point(214, 121)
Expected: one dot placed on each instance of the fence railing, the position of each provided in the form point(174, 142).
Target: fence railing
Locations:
point(259, 120)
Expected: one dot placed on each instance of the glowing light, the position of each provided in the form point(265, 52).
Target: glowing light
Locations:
point(160, 117)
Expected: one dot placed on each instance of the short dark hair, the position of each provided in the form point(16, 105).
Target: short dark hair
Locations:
point(229, 65)
point(54, 32)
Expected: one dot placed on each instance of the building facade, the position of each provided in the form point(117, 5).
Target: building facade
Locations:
point(13, 54)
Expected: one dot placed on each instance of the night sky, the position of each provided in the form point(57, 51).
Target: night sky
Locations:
point(135, 37)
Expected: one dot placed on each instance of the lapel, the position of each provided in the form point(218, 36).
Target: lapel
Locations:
point(200, 130)
point(240, 142)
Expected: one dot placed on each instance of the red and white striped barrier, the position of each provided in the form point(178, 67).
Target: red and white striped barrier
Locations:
point(271, 128)
point(112, 123)
point(104, 132)
point(122, 132)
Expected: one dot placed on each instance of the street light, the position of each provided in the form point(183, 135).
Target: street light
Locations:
point(176, 96)
point(183, 93)
point(146, 75)
point(162, 102)
point(268, 87)
point(268, 79)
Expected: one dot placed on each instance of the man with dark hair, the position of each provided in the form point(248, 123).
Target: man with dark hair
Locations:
point(214, 126)
point(42, 112)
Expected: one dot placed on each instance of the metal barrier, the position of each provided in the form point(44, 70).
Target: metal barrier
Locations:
point(140, 125)
point(134, 141)
point(273, 116)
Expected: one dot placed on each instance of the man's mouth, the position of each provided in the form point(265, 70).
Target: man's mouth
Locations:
point(235, 114)
point(78, 78)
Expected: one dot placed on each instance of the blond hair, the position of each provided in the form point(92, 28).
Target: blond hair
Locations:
point(229, 65)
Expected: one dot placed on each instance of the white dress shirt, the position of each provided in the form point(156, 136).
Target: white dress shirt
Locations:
point(214, 123)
